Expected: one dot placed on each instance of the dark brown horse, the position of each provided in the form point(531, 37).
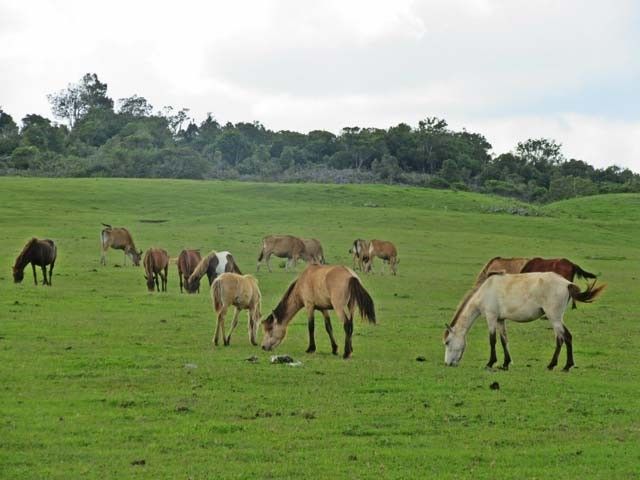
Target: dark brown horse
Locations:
point(563, 267)
point(38, 253)
point(156, 263)
point(187, 262)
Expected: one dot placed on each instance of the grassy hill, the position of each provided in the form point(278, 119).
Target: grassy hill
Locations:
point(98, 375)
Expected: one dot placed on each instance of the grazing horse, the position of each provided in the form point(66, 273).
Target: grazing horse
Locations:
point(156, 263)
point(212, 265)
point(187, 262)
point(500, 265)
point(324, 288)
point(360, 251)
point(521, 298)
point(313, 250)
point(384, 250)
point(36, 252)
point(118, 239)
point(282, 246)
point(242, 292)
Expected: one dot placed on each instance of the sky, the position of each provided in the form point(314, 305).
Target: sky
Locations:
point(568, 70)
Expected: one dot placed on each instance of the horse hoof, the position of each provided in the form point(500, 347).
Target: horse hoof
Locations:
point(311, 350)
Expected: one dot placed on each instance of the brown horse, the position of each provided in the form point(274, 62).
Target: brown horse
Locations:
point(360, 251)
point(156, 263)
point(214, 264)
point(313, 250)
point(118, 239)
point(242, 292)
point(36, 252)
point(500, 265)
point(324, 288)
point(386, 251)
point(187, 262)
point(283, 246)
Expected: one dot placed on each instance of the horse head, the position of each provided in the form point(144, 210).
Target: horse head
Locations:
point(135, 257)
point(150, 282)
point(18, 275)
point(274, 332)
point(454, 345)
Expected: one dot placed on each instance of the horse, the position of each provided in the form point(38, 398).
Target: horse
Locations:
point(324, 288)
point(563, 267)
point(36, 252)
point(118, 239)
point(156, 261)
point(500, 265)
point(282, 246)
point(359, 250)
point(242, 292)
point(214, 264)
point(313, 250)
point(521, 298)
point(386, 251)
point(187, 262)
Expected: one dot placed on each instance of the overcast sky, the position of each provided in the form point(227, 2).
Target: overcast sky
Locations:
point(509, 69)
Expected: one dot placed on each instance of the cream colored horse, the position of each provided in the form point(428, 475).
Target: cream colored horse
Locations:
point(521, 298)
point(241, 291)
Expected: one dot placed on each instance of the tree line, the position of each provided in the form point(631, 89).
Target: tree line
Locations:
point(97, 137)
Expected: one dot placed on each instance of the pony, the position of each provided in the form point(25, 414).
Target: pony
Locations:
point(187, 262)
point(118, 239)
point(156, 263)
point(282, 246)
point(212, 265)
point(313, 250)
point(242, 292)
point(360, 251)
point(36, 252)
point(500, 265)
point(386, 251)
point(324, 288)
point(521, 298)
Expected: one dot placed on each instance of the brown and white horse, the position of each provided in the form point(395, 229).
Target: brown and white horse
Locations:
point(118, 239)
point(156, 263)
point(360, 251)
point(214, 264)
point(521, 298)
point(241, 291)
point(282, 246)
point(187, 262)
point(38, 253)
point(324, 288)
point(386, 251)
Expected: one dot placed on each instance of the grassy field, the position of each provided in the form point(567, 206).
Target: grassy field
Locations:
point(100, 379)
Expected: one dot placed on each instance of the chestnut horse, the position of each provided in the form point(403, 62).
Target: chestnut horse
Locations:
point(36, 252)
point(214, 264)
point(324, 288)
point(242, 292)
point(118, 239)
point(386, 251)
point(156, 263)
point(521, 298)
point(500, 265)
point(187, 262)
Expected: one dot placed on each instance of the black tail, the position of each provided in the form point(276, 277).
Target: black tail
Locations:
point(359, 296)
point(261, 255)
point(588, 296)
point(106, 225)
point(582, 273)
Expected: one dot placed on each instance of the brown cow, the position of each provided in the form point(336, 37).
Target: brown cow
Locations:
point(118, 239)
point(283, 246)
point(359, 250)
point(384, 250)
point(313, 250)
point(187, 262)
point(156, 261)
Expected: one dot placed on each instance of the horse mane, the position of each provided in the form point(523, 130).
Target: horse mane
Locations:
point(486, 267)
point(465, 300)
point(202, 266)
point(25, 249)
point(281, 309)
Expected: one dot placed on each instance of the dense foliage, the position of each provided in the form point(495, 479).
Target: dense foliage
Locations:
point(133, 140)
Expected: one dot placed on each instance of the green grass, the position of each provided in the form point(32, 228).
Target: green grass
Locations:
point(96, 374)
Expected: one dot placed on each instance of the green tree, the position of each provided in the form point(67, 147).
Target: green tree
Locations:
point(76, 100)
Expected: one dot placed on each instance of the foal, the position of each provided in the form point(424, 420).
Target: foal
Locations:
point(241, 291)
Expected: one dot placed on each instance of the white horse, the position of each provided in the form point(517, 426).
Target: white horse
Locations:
point(521, 298)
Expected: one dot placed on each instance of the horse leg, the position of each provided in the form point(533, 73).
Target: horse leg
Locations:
point(35, 279)
point(166, 277)
point(155, 277)
point(125, 258)
point(180, 277)
point(254, 319)
point(568, 340)
point(329, 328)
point(234, 324)
point(348, 332)
point(502, 327)
point(268, 258)
point(394, 266)
point(311, 324)
point(220, 326)
point(44, 274)
point(491, 324)
point(50, 272)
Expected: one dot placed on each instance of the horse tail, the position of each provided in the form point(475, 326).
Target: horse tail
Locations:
point(216, 294)
point(588, 296)
point(582, 273)
point(261, 256)
point(358, 295)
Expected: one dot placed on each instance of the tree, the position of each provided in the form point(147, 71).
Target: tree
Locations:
point(76, 100)
point(9, 138)
point(176, 120)
point(135, 106)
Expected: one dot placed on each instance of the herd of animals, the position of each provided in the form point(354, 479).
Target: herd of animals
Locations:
point(517, 289)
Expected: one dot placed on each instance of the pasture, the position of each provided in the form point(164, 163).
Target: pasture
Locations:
point(101, 379)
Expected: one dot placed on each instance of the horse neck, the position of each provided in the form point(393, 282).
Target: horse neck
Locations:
point(289, 306)
point(24, 256)
point(466, 314)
